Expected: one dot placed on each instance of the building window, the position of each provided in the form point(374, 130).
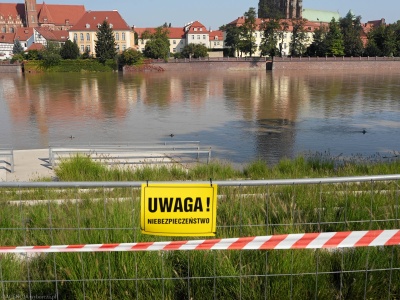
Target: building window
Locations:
point(117, 36)
point(87, 25)
point(192, 37)
point(3, 30)
point(195, 29)
point(88, 36)
point(123, 36)
point(198, 37)
point(88, 48)
point(174, 42)
point(75, 37)
point(12, 30)
point(204, 36)
point(124, 47)
point(201, 29)
point(82, 48)
point(82, 37)
point(174, 50)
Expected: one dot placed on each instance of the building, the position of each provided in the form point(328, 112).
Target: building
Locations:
point(282, 9)
point(31, 14)
point(44, 35)
point(6, 45)
point(216, 40)
point(84, 33)
point(309, 28)
point(191, 33)
point(322, 16)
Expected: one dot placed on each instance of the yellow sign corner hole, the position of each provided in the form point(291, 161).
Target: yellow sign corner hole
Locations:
point(179, 209)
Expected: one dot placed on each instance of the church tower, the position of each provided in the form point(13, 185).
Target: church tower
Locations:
point(31, 13)
point(287, 9)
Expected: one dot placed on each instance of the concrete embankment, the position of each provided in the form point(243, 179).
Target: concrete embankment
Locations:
point(336, 63)
point(10, 68)
point(221, 64)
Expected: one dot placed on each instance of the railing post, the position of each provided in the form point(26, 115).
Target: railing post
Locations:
point(12, 160)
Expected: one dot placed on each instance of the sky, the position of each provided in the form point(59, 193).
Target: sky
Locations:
point(214, 13)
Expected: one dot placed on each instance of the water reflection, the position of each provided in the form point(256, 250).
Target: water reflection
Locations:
point(241, 115)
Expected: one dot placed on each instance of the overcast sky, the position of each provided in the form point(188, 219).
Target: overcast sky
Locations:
point(214, 13)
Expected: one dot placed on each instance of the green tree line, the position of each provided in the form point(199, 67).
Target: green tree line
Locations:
point(343, 37)
point(157, 47)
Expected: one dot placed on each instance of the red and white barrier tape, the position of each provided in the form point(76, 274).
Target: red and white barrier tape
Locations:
point(274, 242)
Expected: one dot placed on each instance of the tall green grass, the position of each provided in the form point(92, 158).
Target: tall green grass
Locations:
point(113, 216)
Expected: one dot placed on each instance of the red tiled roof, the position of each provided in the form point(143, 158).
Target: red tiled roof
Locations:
point(91, 19)
point(60, 13)
point(216, 35)
point(53, 35)
point(44, 15)
point(308, 26)
point(23, 34)
point(176, 32)
point(173, 32)
point(140, 31)
point(7, 38)
point(35, 46)
point(195, 27)
point(12, 9)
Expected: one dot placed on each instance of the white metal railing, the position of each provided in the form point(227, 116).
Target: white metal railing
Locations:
point(166, 152)
point(7, 157)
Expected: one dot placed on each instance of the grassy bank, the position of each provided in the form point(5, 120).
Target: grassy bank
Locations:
point(113, 216)
point(78, 65)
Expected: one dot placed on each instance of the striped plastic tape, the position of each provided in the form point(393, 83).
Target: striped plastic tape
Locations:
point(275, 242)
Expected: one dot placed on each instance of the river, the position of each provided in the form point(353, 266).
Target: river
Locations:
point(242, 116)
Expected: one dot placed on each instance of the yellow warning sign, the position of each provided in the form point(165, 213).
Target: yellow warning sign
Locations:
point(179, 209)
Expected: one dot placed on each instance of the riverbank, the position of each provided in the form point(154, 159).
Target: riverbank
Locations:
point(336, 63)
point(225, 64)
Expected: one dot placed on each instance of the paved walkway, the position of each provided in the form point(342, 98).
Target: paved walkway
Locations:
point(34, 165)
point(29, 165)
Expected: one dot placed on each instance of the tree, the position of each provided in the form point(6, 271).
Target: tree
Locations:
point(232, 39)
point(50, 56)
point(318, 46)
point(158, 44)
point(284, 26)
point(105, 46)
point(17, 48)
point(195, 51)
point(33, 55)
point(69, 50)
point(351, 29)
point(299, 38)
point(382, 41)
point(270, 38)
point(130, 57)
point(334, 40)
point(396, 29)
point(248, 40)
